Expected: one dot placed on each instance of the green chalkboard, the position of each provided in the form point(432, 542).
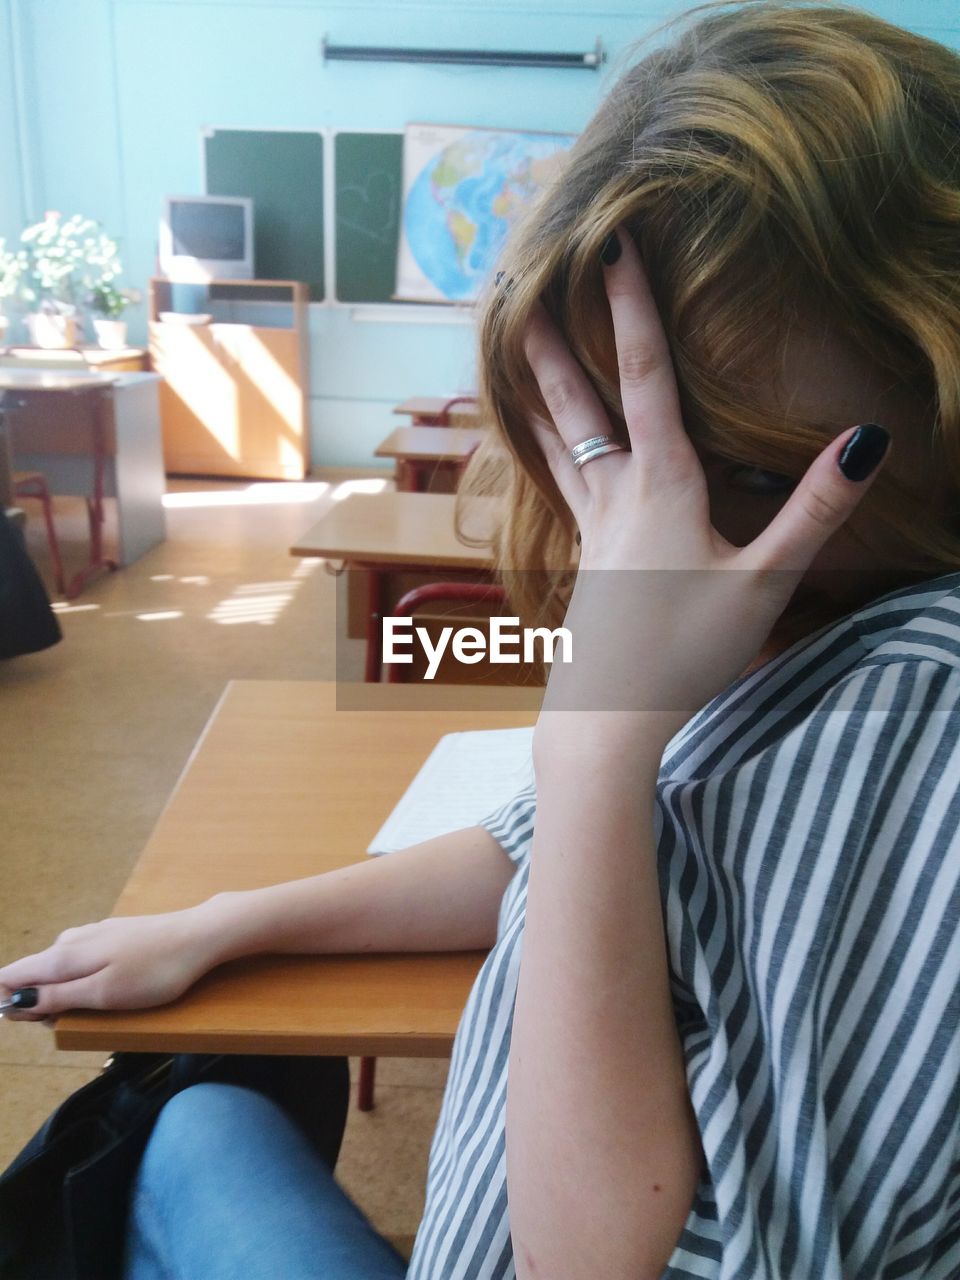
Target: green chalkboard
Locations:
point(368, 203)
point(283, 174)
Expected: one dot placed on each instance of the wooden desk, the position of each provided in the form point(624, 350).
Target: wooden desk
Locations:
point(386, 534)
point(125, 360)
point(96, 435)
point(283, 786)
point(421, 451)
point(426, 411)
point(399, 529)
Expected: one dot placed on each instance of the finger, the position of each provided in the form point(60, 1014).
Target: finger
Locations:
point(572, 403)
point(557, 457)
point(56, 964)
point(58, 997)
point(823, 501)
point(648, 384)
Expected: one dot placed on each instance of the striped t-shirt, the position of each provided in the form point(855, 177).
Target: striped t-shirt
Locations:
point(809, 862)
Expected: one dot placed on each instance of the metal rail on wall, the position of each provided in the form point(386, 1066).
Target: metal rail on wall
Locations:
point(464, 57)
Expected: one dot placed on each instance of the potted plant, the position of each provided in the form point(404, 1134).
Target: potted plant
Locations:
point(106, 304)
point(64, 260)
point(11, 271)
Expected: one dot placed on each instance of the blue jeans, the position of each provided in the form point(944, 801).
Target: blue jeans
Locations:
point(230, 1189)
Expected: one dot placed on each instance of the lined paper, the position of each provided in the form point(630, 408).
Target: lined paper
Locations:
point(463, 780)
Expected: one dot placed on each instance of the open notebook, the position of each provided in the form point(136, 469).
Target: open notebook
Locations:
point(463, 780)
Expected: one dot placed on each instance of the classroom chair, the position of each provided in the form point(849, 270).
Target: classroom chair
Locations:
point(443, 417)
point(33, 484)
point(446, 593)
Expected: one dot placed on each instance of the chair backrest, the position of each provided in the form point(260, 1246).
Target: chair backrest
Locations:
point(477, 602)
point(443, 417)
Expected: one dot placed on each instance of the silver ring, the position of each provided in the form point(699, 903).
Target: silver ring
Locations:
point(610, 446)
point(587, 446)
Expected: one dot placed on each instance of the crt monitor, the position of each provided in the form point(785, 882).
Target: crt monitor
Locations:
point(207, 238)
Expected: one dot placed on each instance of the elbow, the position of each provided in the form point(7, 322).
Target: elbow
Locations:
point(609, 1244)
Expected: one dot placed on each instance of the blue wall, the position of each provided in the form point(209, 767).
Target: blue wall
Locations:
point(102, 103)
point(12, 207)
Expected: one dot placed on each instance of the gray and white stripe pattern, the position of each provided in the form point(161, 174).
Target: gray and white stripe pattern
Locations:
point(808, 844)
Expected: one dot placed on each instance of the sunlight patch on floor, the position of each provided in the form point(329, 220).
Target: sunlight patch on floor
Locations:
point(255, 602)
point(347, 487)
point(263, 493)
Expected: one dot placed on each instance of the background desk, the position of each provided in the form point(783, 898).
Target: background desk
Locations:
point(397, 540)
point(421, 452)
point(427, 411)
point(391, 528)
point(124, 360)
point(283, 786)
point(84, 429)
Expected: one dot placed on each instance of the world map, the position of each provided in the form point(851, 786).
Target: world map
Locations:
point(464, 188)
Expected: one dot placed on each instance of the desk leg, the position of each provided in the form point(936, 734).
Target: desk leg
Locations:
point(368, 1066)
point(368, 1070)
point(139, 481)
point(95, 508)
point(374, 629)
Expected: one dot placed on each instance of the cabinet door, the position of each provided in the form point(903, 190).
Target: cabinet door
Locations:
point(198, 401)
point(231, 401)
point(265, 366)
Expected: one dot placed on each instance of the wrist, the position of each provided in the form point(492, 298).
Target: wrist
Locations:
point(223, 927)
point(610, 741)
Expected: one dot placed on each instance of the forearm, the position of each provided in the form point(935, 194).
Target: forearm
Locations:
point(441, 895)
point(603, 1152)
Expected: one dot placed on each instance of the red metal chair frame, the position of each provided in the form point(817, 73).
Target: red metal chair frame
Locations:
point(34, 485)
point(449, 592)
point(442, 418)
point(95, 509)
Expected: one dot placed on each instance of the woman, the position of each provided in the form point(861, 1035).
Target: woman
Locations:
point(732, 1041)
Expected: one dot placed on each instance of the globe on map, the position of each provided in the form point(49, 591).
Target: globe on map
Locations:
point(460, 207)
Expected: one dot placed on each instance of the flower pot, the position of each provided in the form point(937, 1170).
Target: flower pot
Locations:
point(111, 334)
point(53, 330)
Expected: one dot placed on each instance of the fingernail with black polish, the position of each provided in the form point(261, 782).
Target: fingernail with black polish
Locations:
point(610, 250)
point(864, 451)
point(24, 998)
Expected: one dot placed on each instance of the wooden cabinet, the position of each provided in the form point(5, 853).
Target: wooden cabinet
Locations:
point(234, 398)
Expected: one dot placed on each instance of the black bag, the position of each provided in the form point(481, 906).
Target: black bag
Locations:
point(64, 1200)
point(27, 623)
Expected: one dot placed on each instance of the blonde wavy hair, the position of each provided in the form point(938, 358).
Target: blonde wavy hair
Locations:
point(775, 159)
